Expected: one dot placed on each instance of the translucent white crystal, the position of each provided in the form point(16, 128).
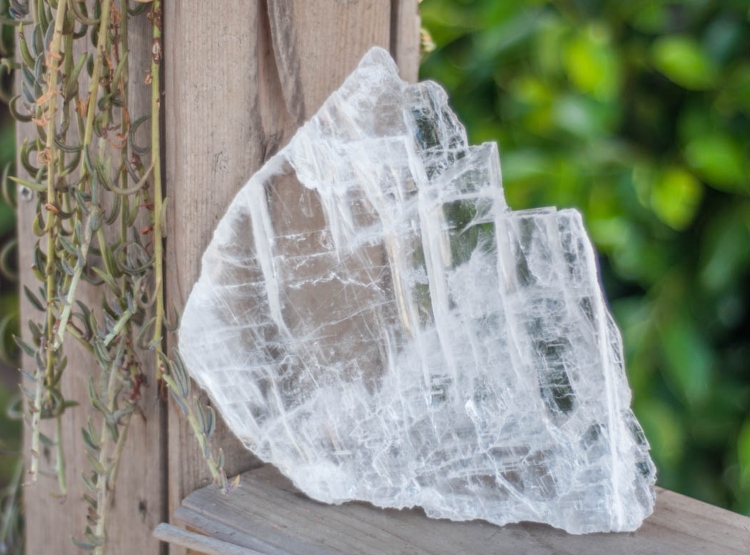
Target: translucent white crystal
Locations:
point(389, 331)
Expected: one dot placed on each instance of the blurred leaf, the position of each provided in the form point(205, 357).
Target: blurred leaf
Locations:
point(675, 197)
point(664, 430)
point(695, 121)
point(687, 358)
point(10, 432)
point(592, 65)
point(582, 116)
point(495, 41)
point(609, 233)
point(640, 260)
point(532, 91)
point(7, 218)
point(523, 164)
point(445, 20)
point(719, 160)
point(682, 60)
point(643, 177)
point(723, 37)
point(743, 454)
point(725, 252)
point(735, 95)
point(637, 323)
point(549, 46)
point(651, 18)
point(534, 103)
point(715, 423)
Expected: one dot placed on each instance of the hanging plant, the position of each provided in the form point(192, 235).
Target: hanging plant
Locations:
point(94, 187)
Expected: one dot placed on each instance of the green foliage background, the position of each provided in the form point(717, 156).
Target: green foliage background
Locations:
point(637, 113)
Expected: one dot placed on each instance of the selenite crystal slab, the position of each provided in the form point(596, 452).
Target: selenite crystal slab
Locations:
point(389, 331)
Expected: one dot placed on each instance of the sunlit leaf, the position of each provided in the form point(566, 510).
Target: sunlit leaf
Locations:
point(675, 197)
point(593, 65)
point(682, 60)
point(720, 161)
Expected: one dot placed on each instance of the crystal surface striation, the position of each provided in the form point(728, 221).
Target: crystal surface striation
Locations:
point(374, 320)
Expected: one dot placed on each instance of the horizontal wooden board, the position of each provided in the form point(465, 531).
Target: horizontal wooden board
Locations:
point(268, 515)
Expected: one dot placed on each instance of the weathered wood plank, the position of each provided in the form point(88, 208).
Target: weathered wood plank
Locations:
point(405, 37)
point(211, 118)
point(267, 514)
point(241, 76)
point(139, 502)
point(211, 546)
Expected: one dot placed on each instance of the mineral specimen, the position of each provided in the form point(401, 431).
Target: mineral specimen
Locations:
point(372, 319)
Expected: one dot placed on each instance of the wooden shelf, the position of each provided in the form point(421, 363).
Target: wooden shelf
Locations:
point(267, 515)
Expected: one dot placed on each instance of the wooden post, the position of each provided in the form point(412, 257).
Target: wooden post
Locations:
point(241, 77)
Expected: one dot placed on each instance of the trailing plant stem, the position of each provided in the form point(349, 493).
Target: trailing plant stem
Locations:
point(109, 464)
point(119, 327)
point(50, 153)
point(91, 222)
point(117, 455)
point(102, 485)
point(60, 456)
point(95, 214)
point(156, 164)
point(96, 74)
point(213, 466)
point(36, 415)
point(9, 504)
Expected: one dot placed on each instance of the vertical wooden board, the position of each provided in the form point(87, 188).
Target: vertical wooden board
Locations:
point(318, 44)
point(240, 78)
point(213, 143)
point(139, 500)
point(141, 497)
point(406, 37)
point(45, 520)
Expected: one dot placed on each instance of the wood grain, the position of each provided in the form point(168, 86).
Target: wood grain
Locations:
point(211, 546)
point(212, 143)
point(405, 37)
point(139, 501)
point(267, 514)
point(240, 78)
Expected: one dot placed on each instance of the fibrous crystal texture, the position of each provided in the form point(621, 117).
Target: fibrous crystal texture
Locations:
point(372, 319)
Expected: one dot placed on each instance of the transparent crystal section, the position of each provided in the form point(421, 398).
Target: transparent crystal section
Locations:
point(372, 319)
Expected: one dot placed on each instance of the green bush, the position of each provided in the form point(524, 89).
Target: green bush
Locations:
point(637, 114)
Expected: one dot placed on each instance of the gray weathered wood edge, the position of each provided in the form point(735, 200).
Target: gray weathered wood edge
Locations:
point(268, 515)
point(211, 546)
